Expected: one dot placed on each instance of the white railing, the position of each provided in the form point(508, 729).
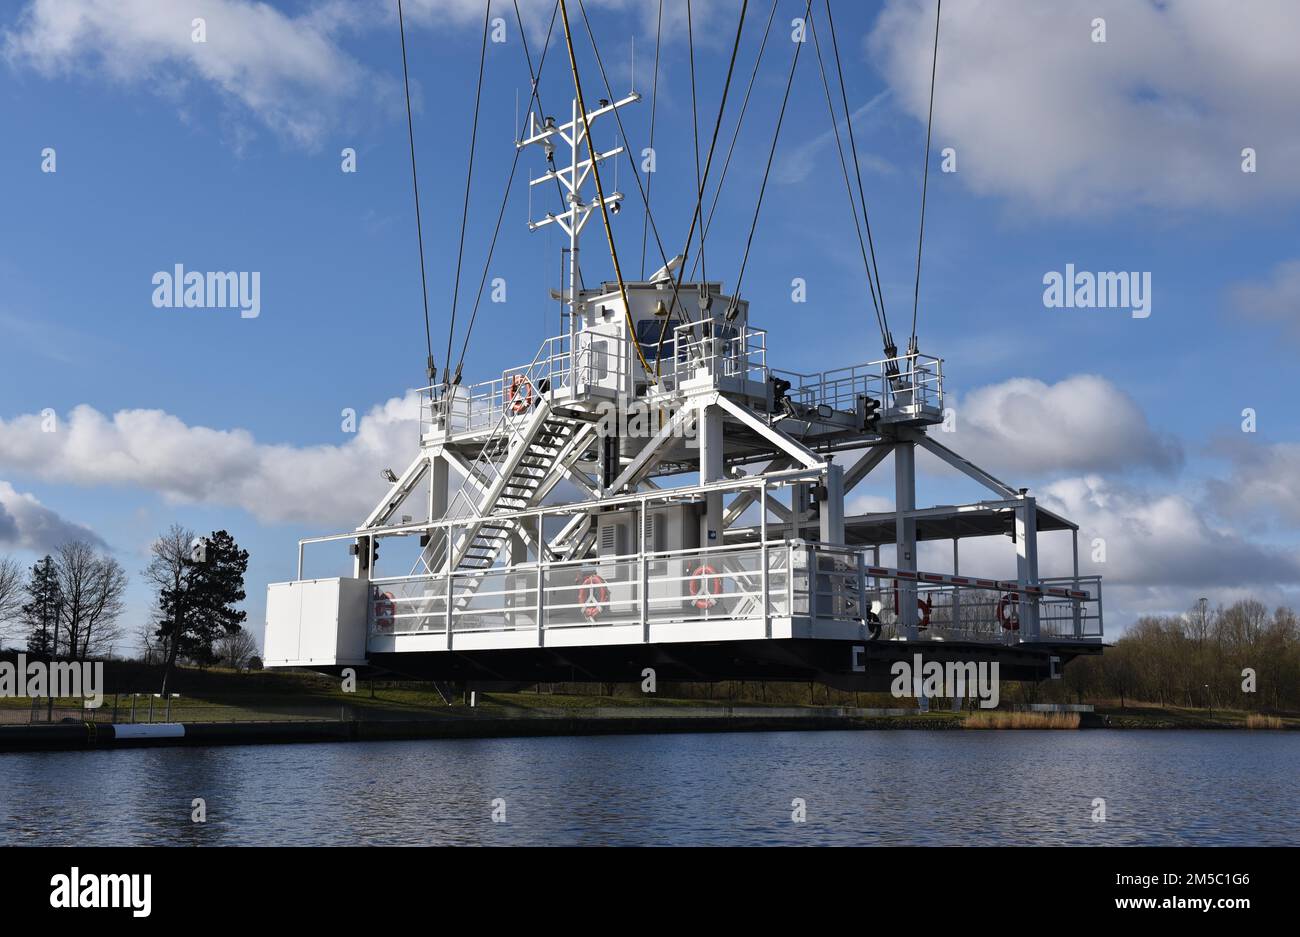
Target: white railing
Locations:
point(1064, 618)
point(776, 579)
point(553, 372)
point(904, 385)
point(966, 613)
point(733, 352)
point(686, 585)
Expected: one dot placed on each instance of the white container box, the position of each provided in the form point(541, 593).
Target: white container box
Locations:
point(316, 623)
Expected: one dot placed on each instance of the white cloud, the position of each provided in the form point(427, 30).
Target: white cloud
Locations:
point(1162, 552)
point(1160, 542)
point(1157, 115)
point(26, 524)
point(154, 450)
point(1264, 484)
point(1160, 539)
point(1084, 423)
point(292, 73)
point(798, 164)
point(706, 17)
point(1276, 299)
point(288, 71)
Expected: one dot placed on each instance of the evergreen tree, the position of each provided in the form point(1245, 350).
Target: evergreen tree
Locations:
point(41, 613)
point(200, 580)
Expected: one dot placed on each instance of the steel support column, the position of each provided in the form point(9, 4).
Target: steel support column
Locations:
point(1027, 564)
point(905, 534)
point(711, 470)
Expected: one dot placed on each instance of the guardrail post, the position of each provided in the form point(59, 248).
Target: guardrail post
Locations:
point(451, 591)
point(810, 560)
point(541, 583)
point(643, 584)
point(762, 557)
point(863, 607)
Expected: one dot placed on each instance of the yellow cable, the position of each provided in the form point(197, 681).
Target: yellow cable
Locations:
point(600, 195)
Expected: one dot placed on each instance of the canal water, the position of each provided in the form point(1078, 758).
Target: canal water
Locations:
point(856, 788)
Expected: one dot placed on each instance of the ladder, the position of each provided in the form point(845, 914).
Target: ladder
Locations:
point(527, 474)
point(518, 466)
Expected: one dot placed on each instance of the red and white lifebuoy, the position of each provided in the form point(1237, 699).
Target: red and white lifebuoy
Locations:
point(706, 586)
point(1009, 611)
point(924, 606)
point(519, 394)
point(593, 595)
point(385, 611)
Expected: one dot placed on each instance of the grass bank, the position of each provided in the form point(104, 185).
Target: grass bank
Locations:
point(218, 695)
point(1021, 720)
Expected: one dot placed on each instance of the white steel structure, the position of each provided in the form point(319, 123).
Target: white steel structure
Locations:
point(583, 517)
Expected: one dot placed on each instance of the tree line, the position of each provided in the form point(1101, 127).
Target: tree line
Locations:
point(70, 603)
point(1244, 656)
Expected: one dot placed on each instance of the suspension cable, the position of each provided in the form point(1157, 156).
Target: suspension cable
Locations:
point(708, 163)
point(644, 191)
point(535, 78)
point(925, 177)
point(430, 369)
point(654, 105)
point(891, 350)
point(469, 176)
point(780, 119)
point(695, 123)
point(848, 185)
point(735, 134)
point(600, 191)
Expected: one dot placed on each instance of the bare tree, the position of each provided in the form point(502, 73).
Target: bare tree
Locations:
point(11, 592)
point(93, 585)
point(169, 570)
point(237, 648)
point(153, 646)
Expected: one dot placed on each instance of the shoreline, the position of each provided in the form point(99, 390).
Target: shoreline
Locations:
point(86, 736)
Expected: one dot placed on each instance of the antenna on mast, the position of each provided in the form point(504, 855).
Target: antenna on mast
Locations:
point(574, 177)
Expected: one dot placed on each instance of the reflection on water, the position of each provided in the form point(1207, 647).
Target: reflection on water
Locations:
point(869, 788)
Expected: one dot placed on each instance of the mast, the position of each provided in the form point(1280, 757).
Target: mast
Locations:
point(573, 178)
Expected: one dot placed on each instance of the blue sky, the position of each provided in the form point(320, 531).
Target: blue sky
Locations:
point(225, 155)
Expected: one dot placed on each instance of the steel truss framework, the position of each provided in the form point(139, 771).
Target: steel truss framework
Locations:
point(524, 476)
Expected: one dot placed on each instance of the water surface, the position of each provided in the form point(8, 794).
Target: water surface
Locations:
point(860, 787)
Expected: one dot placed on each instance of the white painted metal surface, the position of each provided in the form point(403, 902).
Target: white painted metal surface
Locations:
point(549, 521)
point(317, 622)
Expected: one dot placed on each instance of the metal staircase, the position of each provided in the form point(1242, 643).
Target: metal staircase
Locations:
point(526, 475)
point(518, 466)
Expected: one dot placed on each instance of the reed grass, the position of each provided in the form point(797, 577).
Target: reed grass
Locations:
point(1022, 720)
point(1257, 721)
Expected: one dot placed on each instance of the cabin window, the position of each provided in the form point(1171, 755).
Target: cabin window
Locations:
point(647, 336)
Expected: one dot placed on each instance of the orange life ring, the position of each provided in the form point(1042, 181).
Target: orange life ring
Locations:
point(706, 586)
point(519, 394)
point(924, 606)
point(385, 611)
point(593, 595)
point(1009, 611)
